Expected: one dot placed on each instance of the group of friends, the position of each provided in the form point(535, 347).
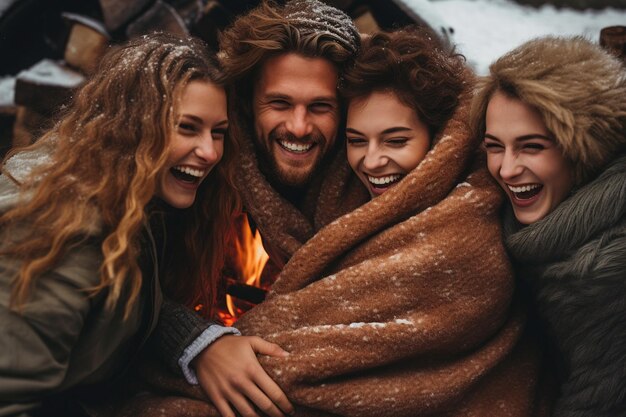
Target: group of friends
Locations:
point(450, 245)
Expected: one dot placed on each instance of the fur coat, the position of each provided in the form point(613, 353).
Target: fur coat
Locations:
point(574, 260)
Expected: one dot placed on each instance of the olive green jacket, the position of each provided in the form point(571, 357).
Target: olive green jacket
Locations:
point(64, 338)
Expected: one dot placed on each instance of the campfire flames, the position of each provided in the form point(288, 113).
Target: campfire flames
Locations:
point(248, 264)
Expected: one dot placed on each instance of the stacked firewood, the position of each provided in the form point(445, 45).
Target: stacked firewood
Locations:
point(39, 91)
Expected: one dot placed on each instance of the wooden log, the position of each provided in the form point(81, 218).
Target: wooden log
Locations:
point(7, 96)
point(116, 13)
point(365, 22)
point(159, 17)
point(28, 126)
point(86, 43)
point(613, 38)
point(341, 4)
point(213, 20)
point(46, 86)
point(7, 123)
point(190, 11)
point(8, 112)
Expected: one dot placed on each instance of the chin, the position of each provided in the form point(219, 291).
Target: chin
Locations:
point(529, 218)
point(179, 203)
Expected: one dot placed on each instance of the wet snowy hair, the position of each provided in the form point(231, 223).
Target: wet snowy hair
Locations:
point(576, 86)
point(106, 155)
point(306, 27)
point(424, 74)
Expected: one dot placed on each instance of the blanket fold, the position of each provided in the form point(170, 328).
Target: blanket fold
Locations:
point(404, 306)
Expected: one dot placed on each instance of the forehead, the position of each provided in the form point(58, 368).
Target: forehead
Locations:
point(512, 115)
point(381, 108)
point(296, 75)
point(203, 99)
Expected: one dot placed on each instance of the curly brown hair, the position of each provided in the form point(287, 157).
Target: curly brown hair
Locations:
point(105, 156)
point(424, 74)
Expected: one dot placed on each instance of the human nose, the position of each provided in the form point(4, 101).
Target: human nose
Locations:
point(374, 157)
point(511, 165)
point(298, 123)
point(207, 149)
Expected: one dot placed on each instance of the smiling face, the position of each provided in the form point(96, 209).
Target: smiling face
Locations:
point(385, 140)
point(196, 143)
point(524, 159)
point(296, 115)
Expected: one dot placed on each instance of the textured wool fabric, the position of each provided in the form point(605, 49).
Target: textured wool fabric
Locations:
point(335, 23)
point(574, 259)
point(402, 307)
point(283, 226)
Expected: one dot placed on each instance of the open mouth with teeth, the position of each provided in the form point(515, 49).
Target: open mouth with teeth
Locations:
point(296, 147)
point(384, 182)
point(525, 192)
point(187, 174)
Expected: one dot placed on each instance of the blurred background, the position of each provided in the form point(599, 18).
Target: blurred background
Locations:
point(48, 47)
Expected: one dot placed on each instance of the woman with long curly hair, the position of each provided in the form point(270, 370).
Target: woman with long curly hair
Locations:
point(129, 192)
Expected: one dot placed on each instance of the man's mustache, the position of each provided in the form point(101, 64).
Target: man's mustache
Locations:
point(286, 136)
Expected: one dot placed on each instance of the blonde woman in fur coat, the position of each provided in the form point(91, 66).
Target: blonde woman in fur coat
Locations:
point(552, 116)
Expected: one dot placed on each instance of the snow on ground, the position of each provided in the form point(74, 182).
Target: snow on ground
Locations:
point(486, 29)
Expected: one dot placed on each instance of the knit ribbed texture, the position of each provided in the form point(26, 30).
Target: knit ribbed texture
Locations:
point(315, 17)
point(574, 259)
point(178, 327)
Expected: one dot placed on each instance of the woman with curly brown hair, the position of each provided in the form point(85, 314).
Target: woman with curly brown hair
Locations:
point(401, 92)
point(130, 191)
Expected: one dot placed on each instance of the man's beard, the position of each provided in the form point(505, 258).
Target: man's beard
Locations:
point(291, 176)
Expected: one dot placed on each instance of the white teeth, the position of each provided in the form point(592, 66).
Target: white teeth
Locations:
point(523, 188)
point(190, 171)
point(296, 147)
point(383, 180)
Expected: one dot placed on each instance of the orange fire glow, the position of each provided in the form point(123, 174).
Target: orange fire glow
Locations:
point(251, 259)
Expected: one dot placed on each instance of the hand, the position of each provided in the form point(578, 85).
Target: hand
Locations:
point(230, 374)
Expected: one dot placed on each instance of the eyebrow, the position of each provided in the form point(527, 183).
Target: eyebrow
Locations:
point(384, 132)
point(192, 117)
point(201, 121)
point(522, 138)
point(270, 96)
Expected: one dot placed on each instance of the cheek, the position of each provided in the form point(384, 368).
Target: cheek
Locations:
point(410, 158)
point(219, 150)
point(265, 122)
point(493, 165)
point(560, 179)
point(328, 127)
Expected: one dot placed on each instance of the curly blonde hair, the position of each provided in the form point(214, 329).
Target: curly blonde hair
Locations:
point(107, 152)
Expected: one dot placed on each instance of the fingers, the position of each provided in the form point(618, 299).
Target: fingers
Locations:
point(231, 375)
point(220, 402)
point(240, 398)
point(272, 394)
point(243, 406)
point(267, 348)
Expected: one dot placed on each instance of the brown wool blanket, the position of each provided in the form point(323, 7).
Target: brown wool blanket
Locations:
point(403, 306)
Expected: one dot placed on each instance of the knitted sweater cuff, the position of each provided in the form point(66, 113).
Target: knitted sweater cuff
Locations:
point(178, 327)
